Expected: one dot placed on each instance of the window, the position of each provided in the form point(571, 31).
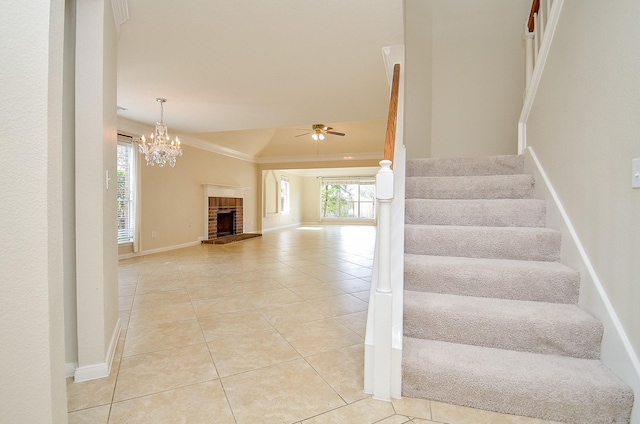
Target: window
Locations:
point(285, 200)
point(351, 199)
point(126, 187)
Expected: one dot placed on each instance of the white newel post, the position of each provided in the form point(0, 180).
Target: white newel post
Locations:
point(529, 55)
point(383, 293)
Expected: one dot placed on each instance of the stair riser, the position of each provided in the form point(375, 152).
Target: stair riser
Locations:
point(491, 213)
point(558, 330)
point(483, 242)
point(530, 283)
point(492, 165)
point(489, 187)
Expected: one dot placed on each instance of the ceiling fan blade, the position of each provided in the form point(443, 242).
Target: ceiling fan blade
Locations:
point(300, 135)
point(335, 133)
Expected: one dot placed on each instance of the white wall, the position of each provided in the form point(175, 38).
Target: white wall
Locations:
point(31, 298)
point(96, 225)
point(474, 75)
point(584, 129)
point(68, 191)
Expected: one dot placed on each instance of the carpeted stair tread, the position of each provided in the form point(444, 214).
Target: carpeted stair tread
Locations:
point(519, 243)
point(548, 387)
point(551, 328)
point(500, 278)
point(470, 187)
point(490, 165)
point(477, 212)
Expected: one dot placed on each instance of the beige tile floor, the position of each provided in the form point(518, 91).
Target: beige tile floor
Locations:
point(267, 330)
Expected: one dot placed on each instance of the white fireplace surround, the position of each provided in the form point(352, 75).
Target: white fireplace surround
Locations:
point(218, 190)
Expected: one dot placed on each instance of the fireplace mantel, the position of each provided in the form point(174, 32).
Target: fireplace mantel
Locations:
point(221, 190)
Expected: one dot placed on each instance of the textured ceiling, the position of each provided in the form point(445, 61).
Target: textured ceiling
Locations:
point(248, 75)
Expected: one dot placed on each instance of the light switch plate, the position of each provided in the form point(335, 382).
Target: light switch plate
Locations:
point(635, 173)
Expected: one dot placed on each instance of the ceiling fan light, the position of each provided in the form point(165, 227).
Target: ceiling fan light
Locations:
point(321, 136)
point(315, 136)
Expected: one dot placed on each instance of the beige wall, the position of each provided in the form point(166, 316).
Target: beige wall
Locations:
point(273, 217)
point(31, 297)
point(172, 199)
point(471, 64)
point(584, 128)
point(418, 77)
point(311, 200)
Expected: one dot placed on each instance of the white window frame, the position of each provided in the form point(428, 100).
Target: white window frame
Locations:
point(129, 219)
point(358, 203)
point(285, 195)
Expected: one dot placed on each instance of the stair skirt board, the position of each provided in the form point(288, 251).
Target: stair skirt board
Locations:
point(491, 316)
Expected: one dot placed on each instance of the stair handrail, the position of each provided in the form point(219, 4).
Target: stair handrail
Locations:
point(383, 338)
point(531, 22)
point(390, 138)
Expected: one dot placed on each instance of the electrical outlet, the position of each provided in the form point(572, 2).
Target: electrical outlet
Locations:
point(635, 173)
point(154, 234)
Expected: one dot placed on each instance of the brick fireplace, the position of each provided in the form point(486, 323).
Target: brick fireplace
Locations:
point(223, 214)
point(224, 217)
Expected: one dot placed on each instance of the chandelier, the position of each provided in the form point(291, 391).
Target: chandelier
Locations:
point(161, 149)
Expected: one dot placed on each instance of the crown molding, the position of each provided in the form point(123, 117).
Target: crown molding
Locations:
point(321, 158)
point(135, 128)
point(206, 145)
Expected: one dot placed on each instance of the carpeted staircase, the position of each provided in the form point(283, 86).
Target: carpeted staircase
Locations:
point(490, 315)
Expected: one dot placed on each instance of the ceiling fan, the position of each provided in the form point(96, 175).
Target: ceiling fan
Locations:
point(319, 130)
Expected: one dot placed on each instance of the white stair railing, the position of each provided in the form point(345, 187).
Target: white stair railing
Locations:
point(383, 339)
point(534, 29)
point(539, 29)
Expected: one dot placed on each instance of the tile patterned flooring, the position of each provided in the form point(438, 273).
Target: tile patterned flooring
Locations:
point(266, 330)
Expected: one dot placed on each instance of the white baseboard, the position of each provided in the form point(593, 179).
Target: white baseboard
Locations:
point(159, 250)
point(281, 227)
point(103, 369)
point(617, 352)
